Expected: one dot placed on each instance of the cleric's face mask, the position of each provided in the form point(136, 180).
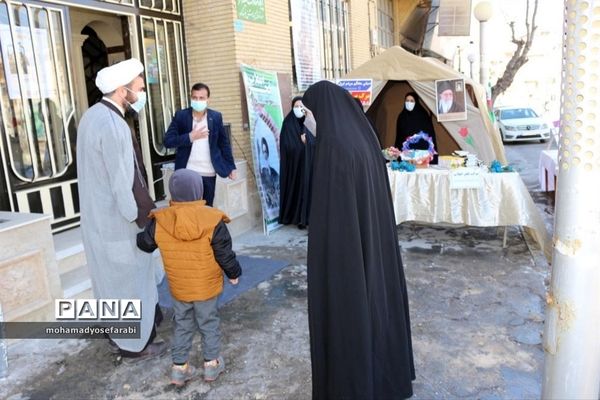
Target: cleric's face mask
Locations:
point(140, 102)
point(409, 105)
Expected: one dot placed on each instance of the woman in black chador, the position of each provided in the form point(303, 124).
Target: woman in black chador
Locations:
point(296, 148)
point(360, 342)
point(414, 119)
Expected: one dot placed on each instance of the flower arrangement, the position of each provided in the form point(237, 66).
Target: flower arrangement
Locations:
point(497, 167)
point(415, 139)
point(418, 157)
point(391, 153)
point(402, 166)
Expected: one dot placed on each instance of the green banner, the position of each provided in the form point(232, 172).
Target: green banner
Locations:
point(251, 10)
point(266, 116)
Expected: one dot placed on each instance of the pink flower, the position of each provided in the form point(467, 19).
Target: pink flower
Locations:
point(464, 131)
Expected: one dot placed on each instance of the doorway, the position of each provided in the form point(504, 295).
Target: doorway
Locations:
point(95, 57)
point(100, 39)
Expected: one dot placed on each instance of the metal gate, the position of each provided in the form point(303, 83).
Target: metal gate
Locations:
point(38, 115)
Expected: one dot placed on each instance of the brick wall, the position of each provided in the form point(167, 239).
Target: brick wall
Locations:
point(210, 50)
point(215, 51)
point(265, 46)
point(216, 45)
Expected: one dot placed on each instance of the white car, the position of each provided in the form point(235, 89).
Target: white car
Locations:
point(521, 123)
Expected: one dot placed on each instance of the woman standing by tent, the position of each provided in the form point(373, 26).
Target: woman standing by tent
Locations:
point(360, 341)
point(414, 119)
point(296, 148)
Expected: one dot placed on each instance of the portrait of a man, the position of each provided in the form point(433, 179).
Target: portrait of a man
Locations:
point(450, 100)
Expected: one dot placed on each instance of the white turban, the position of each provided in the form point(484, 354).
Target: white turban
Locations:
point(120, 74)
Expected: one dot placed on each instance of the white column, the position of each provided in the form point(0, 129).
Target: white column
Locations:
point(483, 74)
point(572, 328)
point(483, 11)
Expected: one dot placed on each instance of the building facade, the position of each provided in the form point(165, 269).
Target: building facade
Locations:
point(52, 49)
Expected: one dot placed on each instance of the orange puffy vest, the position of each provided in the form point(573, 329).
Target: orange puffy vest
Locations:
point(183, 233)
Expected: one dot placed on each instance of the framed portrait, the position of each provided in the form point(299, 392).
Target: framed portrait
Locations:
point(450, 100)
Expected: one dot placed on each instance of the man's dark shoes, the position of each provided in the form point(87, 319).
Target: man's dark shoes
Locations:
point(113, 348)
point(153, 350)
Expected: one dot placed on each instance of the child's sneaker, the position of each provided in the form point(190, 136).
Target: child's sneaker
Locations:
point(213, 368)
point(180, 374)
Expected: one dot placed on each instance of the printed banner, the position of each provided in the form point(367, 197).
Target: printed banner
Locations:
point(266, 116)
point(362, 89)
point(18, 59)
point(307, 48)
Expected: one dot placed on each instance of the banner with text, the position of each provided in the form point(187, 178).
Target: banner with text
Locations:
point(362, 89)
point(265, 115)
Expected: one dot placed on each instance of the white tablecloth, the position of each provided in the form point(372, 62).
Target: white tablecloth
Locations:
point(425, 196)
point(548, 169)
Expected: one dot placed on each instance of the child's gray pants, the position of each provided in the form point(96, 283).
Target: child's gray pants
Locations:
point(189, 317)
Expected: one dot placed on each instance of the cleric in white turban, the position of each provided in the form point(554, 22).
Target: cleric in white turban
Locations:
point(113, 196)
point(120, 74)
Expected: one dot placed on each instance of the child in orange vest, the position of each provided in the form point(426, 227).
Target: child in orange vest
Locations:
point(196, 248)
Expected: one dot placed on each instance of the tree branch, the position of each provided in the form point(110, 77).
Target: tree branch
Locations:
point(519, 57)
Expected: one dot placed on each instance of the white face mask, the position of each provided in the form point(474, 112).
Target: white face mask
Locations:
point(139, 103)
point(409, 105)
point(299, 112)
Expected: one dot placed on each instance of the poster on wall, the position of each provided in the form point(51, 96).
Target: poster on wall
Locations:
point(251, 10)
point(307, 48)
point(151, 61)
point(450, 100)
point(18, 54)
point(265, 114)
point(362, 89)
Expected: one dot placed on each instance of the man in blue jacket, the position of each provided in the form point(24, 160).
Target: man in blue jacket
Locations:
point(202, 145)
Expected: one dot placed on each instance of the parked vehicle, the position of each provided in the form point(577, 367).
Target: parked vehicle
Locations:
point(520, 124)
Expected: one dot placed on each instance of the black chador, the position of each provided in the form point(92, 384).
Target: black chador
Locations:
point(360, 341)
point(295, 169)
point(414, 121)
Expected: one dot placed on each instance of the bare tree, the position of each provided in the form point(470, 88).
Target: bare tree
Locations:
point(519, 57)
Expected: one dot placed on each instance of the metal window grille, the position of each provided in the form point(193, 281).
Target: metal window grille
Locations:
point(385, 23)
point(36, 98)
point(165, 79)
point(335, 49)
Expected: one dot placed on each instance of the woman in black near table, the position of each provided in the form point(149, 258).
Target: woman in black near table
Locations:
point(296, 148)
point(414, 119)
point(360, 340)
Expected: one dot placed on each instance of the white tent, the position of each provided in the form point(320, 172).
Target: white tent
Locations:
point(396, 72)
